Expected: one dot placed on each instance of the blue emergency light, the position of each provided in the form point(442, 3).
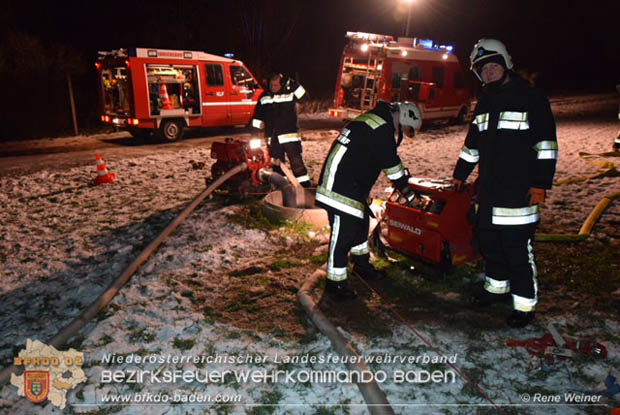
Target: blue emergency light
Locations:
point(229, 55)
point(429, 44)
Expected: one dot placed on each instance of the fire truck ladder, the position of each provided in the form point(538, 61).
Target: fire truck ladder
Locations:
point(374, 67)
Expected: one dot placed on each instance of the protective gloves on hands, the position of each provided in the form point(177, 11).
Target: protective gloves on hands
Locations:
point(402, 185)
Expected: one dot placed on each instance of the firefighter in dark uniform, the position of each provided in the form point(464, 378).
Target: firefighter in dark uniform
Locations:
point(364, 148)
point(512, 139)
point(276, 113)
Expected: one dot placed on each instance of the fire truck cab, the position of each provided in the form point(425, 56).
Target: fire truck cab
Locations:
point(406, 69)
point(164, 91)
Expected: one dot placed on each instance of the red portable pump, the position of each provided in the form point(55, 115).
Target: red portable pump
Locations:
point(234, 152)
point(436, 227)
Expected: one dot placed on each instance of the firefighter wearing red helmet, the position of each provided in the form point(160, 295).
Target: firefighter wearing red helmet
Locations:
point(276, 113)
point(512, 140)
point(364, 148)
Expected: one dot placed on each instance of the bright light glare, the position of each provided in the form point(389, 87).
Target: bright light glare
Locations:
point(364, 47)
point(403, 53)
point(255, 143)
point(444, 56)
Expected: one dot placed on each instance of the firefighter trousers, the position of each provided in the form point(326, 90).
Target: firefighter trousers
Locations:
point(509, 264)
point(293, 151)
point(349, 234)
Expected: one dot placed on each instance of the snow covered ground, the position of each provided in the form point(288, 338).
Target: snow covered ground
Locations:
point(64, 240)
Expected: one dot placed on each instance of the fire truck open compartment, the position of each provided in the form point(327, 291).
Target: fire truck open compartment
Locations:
point(376, 67)
point(165, 91)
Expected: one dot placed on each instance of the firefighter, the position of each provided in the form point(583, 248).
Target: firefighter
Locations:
point(512, 139)
point(276, 112)
point(364, 148)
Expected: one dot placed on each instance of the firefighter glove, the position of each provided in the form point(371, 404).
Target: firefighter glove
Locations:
point(404, 190)
point(536, 196)
point(459, 186)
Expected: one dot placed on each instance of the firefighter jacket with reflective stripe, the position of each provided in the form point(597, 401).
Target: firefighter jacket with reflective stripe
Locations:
point(277, 112)
point(512, 139)
point(364, 148)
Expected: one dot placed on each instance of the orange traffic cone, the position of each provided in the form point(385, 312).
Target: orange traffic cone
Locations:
point(103, 176)
point(165, 99)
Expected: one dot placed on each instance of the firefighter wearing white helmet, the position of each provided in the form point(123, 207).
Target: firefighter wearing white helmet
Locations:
point(512, 140)
point(364, 148)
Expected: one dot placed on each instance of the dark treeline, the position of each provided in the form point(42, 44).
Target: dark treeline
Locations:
point(35, 99)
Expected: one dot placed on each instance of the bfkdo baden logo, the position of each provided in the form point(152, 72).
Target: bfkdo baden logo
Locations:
point(48, 373)
point(36, 385)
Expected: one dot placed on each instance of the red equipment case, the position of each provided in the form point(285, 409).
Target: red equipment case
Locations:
point(436, 227)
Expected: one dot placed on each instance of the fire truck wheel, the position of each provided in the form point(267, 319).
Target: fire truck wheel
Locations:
point(460, 119)
point(171, 130)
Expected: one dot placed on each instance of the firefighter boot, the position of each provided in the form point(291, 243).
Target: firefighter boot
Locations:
point(519, 319)
point(363, 268)
point(339, 290)
point(483, 298)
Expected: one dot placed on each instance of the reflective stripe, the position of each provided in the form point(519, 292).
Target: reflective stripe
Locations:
point(470, 155)
point(547, 150)
point(546, 145)
point(333, 273)
point(372, 120)
point(547, 155)
point(496, 286)
point(513, 116)
point(337, 274)
point(340, 202)
point(513, 125)
point(288, 138)
point(515, 216)
point(277, 98)
point(360, 249)
point(523, 304)
point(396, 172)
point(256, 123)
point(513, 120)
point(617, 139)
point(304, 178)
point(299, 92)
point(481, 121)
point(331, 166)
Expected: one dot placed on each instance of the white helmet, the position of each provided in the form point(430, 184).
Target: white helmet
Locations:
point(489, 50)
point(409, 114)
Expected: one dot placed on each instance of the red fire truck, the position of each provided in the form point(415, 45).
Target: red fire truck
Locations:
point(165, 91)
point(406, 69)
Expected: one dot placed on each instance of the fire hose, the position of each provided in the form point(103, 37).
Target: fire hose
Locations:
point(373, 395)
point(586, 228)
point(597, 211)
point(104, 299)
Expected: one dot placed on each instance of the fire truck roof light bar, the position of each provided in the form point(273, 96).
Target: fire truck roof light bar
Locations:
point(372, 40)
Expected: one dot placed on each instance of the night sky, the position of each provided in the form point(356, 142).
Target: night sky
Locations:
point(573, 44)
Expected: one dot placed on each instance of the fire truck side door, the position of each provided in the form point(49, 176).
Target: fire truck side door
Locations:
point(242, 94)
point(216, 97)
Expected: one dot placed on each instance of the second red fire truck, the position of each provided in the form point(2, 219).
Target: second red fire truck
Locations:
point(158, 90)
point(405, 69)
